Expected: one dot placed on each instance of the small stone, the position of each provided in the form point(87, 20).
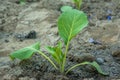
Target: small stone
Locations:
point(100, 60)
point(109, 11)
point(91, 40)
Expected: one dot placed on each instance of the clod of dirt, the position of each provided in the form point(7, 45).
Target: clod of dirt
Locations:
point(81, 58)
point(116, 53)
point(29, 35)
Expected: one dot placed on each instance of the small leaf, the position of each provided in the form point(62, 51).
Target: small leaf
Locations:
point(94, 64)
point(70, 23)
point(50, 49)
point(26, 52)
point(22, 2)
point(75, 0)
point(65, 8)
point(56, 53)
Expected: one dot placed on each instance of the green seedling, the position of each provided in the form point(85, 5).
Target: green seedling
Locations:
point(77, 3)
point(70, 23)
point(22, 2)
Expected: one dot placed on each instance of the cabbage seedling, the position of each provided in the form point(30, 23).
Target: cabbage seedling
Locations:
point(70, 23)
point(22, 2)
point(77, 3)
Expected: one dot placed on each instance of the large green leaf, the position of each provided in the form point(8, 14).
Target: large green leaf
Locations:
point(26, 52)
point(70, 23)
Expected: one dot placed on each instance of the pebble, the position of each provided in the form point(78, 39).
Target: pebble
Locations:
point(100, 60)
point(91, 40)
point(81, 58)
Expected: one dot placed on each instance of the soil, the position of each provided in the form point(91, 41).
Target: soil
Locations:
point(36, 21)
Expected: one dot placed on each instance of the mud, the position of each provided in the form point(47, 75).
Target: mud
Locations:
point(23, 25)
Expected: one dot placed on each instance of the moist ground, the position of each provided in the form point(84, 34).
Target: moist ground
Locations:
point(23, 25)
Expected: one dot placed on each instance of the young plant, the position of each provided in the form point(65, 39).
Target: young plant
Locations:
point(22, 2)
point(77, 3)
point(70, 23)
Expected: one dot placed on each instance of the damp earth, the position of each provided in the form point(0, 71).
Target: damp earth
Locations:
point(36, 21)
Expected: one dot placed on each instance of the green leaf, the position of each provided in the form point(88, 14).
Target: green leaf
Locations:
point(22, 2)
point(50, 49)
point(76, 0)
point(70, 23)
point(56, 53)
point(94, 64)
point(65, 8)
point(26, 52)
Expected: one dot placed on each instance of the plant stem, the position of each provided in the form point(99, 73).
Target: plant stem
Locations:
point(48, 59)
point(84, 63)
point(66, 51)
point(80, 2)
point(45, 57)
point(64, 60)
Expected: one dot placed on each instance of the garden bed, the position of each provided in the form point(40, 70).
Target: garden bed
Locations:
point(36, 21)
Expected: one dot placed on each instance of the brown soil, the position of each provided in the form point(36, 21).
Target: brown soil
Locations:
point(40, 17)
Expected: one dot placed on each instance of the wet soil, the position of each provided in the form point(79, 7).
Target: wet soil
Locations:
point(23, 25)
